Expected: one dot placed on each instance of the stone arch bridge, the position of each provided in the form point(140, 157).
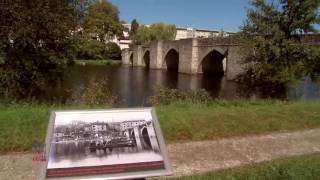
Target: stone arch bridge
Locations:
point(192, 56)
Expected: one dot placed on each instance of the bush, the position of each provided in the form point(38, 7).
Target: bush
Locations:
point(97, 93)
point(91, 49)
point(164, 96)
point(113, 51)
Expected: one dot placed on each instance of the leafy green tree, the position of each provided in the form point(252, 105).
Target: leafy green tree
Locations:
point(159, 31)
point(35, 35)
point(90, 49)
point(103, 21)
point(134, 28)
point(274, 33)
point(113, 51)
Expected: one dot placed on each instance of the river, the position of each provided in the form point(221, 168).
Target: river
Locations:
point(134, 85)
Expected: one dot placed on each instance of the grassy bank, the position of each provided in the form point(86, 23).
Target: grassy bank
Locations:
point(22, 125)
point(187, 121)
point(296, 168)
point(105, 62)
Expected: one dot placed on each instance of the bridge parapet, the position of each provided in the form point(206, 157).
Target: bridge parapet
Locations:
point(227, 41)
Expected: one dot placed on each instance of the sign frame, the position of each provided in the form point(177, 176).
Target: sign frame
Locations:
point(127, 175)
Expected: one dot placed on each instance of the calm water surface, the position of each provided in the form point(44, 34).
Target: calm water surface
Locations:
point(134, 85)
point(77, 154)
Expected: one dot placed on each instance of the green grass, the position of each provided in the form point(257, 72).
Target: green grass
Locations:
point(24, 124)
point(186, 121)
point(295, 168)
point(105, 62)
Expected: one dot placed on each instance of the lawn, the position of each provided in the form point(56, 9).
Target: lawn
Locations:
point(104, 62)
point(24, 124)
point(187, 121)
point(295, 168)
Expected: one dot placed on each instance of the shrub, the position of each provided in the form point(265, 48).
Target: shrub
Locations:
point(97, 93)
point(91, 49)
point(113, 51)
point(164, 96)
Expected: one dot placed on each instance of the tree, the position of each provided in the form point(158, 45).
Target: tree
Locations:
point(113, 51)
point(158, 31)
point(274, 33)
point(103, 20)
point(35, 35)
point(134, 28)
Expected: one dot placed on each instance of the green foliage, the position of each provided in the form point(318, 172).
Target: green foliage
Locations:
point(93, 49)
point(273, 34)
point(113, 51)
point(97, 93)
point(158, 31)
point(295, 168)
point(90, 49)
point(94, 62)
point(163, 96)
point(134, 28)
point(35, 35)
point(103, 20)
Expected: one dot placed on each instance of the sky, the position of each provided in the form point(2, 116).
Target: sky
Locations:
point(202, 14)
point(64, 118)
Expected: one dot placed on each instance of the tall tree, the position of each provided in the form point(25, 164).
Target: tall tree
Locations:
point(103, 20)
point(36, 35)
point(134, 28)
point(159, 31)
point(274, 32)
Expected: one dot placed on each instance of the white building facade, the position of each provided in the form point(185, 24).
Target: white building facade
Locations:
point(186, 33)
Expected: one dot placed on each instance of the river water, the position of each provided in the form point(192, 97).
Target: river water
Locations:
point(134, 85)
point(77, 154)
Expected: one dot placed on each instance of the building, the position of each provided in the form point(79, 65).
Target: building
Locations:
point(187, 32)
point(99, 127)
point(130, 124)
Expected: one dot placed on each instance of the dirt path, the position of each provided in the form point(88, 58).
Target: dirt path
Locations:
point(198, 157)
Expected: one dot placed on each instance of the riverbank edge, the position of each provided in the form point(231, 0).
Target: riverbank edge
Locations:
point(103, 62)
point(25, 124)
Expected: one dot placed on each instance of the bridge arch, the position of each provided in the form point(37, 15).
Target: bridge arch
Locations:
point(131, 134)
point(131, 59)
point(213, 63)
point(171, 59)
point(145, 136)
point(146, 58)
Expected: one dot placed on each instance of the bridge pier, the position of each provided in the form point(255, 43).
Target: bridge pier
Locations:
point(137, 137)
point(234, 65)
point(156, 55)
point(153, 138)
point(125, 54)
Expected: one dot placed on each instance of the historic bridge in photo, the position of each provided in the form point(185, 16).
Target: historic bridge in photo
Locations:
point(192, 56)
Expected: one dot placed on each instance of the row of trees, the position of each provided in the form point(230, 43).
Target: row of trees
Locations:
point(145, 34)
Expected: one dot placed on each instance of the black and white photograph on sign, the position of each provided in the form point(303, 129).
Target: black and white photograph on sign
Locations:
point(103, 143)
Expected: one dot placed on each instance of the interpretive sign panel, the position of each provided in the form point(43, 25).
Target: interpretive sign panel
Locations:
point(105, 144)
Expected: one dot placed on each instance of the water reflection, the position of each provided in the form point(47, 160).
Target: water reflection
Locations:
point(78, 154)
point(133, 85)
